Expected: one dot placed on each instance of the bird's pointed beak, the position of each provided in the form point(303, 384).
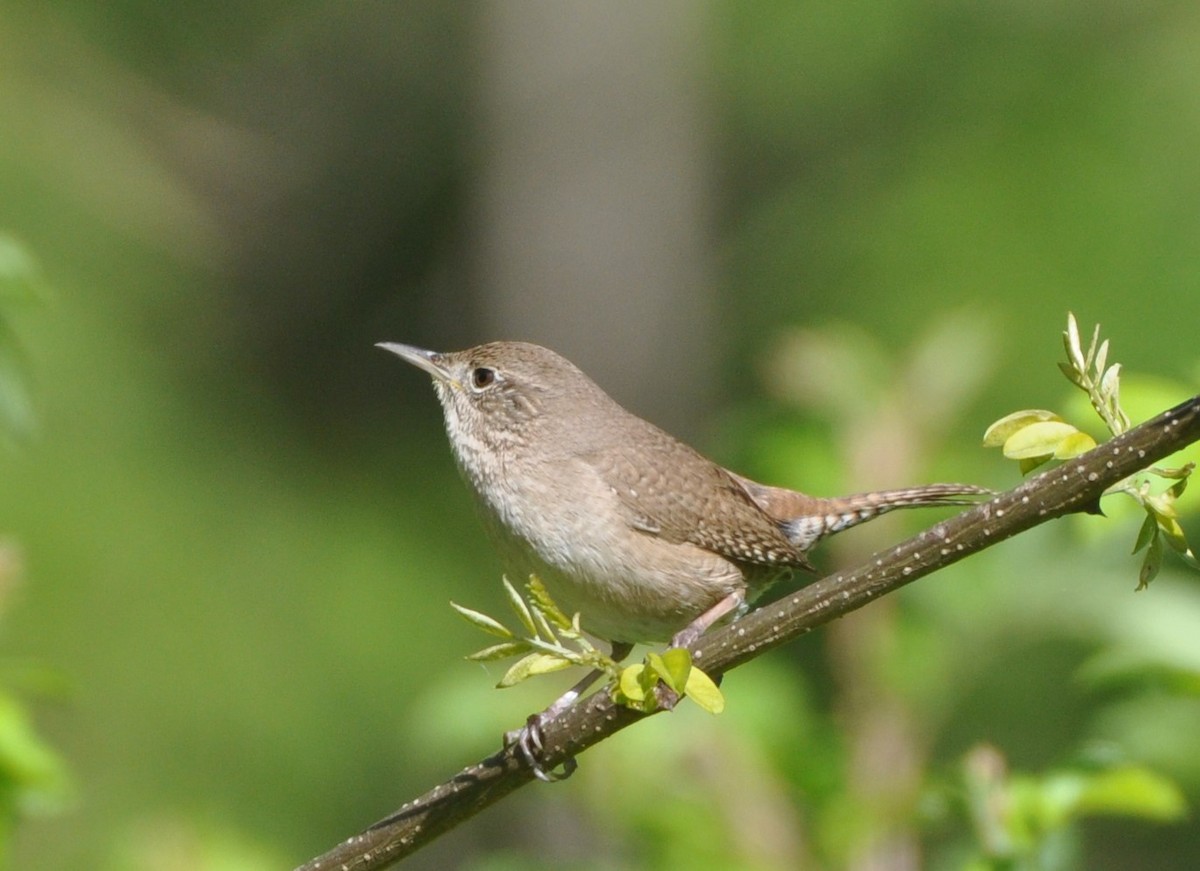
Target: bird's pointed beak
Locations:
point(429, 361)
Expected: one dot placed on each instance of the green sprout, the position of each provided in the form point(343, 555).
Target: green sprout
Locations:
point(550, 641)
point(1036, 436)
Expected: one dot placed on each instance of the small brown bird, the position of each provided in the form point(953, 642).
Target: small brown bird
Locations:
point(640, 534)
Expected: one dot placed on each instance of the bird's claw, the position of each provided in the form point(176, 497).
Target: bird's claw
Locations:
point(529, 742)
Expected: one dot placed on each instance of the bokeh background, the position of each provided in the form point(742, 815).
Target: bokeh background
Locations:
point(826, 242)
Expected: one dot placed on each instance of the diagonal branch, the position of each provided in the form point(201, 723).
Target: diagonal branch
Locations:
point(1074, 486)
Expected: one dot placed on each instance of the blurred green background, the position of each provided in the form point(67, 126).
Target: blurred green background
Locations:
point(826, 242)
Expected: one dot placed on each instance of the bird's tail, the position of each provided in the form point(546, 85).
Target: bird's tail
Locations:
point(822, 517)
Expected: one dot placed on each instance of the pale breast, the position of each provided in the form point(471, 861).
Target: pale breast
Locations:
point(628, 584)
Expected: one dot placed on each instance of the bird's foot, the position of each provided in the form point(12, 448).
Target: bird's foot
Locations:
point(529, 741)
point(685, 638)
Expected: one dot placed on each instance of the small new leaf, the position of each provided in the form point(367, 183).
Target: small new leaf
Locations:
point(544, 648)
point(534, 663)
point(1091, 352)
point(1074, 445)
point(1110, 382)
point(635, 685)
point(1039, 439)
point(1072, 344)
point(1146, 533)
point(499, 651)
point(631, 686)
point(542, 601)
point(1101, 354)
point(544, 629)
point(672, 667)
point(702, 690)
point(517, 603)
point(1152, 562)
point(1000, 431)
point(1173, 533)
point(1073, 374)
point(635, 688)
point(1178, 474)
point(1132, 791)
point(483, 621)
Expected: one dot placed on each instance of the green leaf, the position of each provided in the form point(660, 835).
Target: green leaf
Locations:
point(1074, 445)
point(499, 651)
point(544, 629)
point(702, 690)
point(1152, 562)
point(1147, 532)
point(1037, 439)
point(1110, 381)
point(483, 621)
point(631, 685)
point(1091, 351)
point(533, 664)
point(1000, 431)
point(1178, 474)
point(517, 603)
point(1161, 505)
point(636, 684)
point(1072, 376)
point(1101, 354)
point(635, 688)
point(1173, 533)
point(33, 774)
point(656, 666)
point(672, 667)
point(1132, 791)
point(541, 598)
point(1072, 344)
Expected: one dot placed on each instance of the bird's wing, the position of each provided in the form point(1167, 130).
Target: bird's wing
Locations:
point(671, 491)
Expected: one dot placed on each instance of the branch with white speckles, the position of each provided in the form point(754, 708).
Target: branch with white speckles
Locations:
point(1074, 486)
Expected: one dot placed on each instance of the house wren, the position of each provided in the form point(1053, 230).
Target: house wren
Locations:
point(637, 532)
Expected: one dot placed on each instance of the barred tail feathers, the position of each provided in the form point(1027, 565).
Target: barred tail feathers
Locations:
point(824, 517)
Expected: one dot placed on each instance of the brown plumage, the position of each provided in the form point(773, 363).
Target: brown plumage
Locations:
point(638, 532)
point(629, 527)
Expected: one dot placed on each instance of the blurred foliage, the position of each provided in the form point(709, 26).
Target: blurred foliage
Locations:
point(33, 778)
point(20, 284)
point(1026, 823)
point(243, 527)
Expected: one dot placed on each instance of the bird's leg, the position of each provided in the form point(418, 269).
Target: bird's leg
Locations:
point(528, 739)
point(686, 637)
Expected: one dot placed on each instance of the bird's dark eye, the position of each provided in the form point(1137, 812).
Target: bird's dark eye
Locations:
point(482, 377)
